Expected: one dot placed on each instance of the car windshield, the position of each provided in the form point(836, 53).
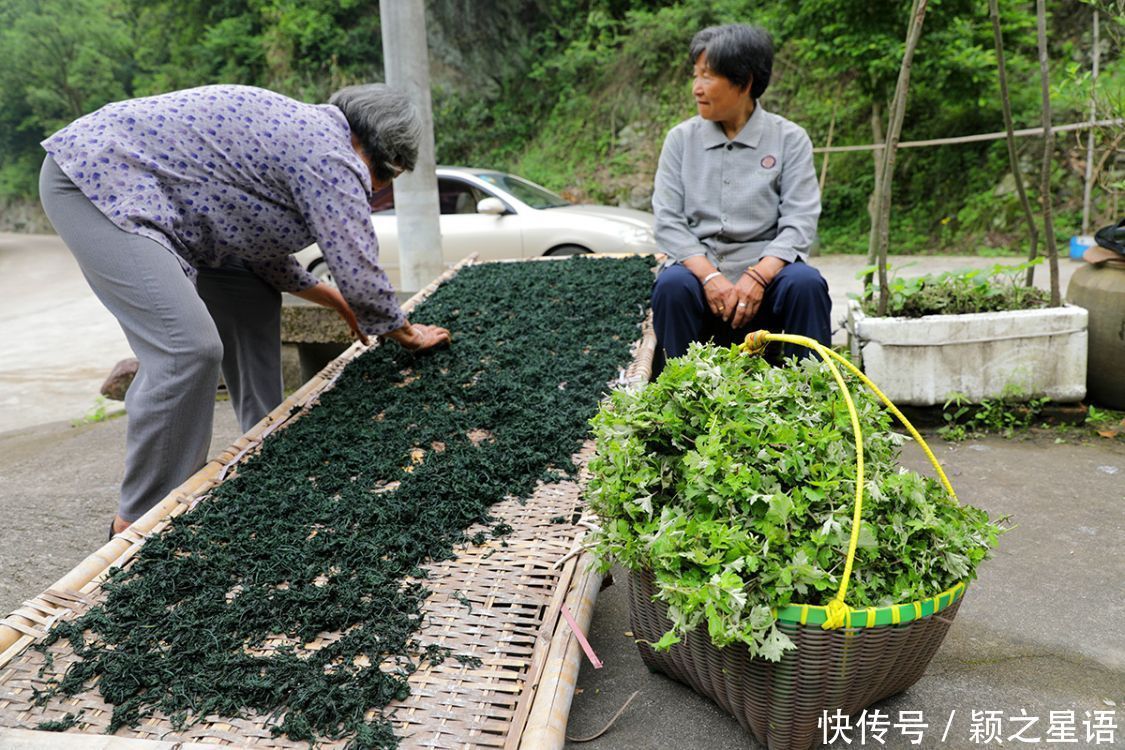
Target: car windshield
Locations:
point(528, 192)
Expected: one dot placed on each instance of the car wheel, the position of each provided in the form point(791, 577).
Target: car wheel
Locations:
point(561, 250)
point(319, 269)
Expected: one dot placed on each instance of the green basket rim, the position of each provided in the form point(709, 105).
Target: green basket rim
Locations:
point(870, 617)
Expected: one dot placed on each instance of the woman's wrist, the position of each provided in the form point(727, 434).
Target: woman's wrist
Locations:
point(711, 277)
point(754, 275)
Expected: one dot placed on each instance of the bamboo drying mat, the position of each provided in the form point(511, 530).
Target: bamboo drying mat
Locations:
point(500, 602)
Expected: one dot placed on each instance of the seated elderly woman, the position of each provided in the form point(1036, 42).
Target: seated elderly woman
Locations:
point(736, 203)
point(183, 211)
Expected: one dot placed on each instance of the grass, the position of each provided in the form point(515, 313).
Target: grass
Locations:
point(102, 410)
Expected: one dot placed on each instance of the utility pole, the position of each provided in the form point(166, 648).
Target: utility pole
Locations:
point(407, 65)
point(1090, 136)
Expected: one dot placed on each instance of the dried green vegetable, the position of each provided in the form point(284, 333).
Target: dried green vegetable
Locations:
point(317, 533)
point(734, 482)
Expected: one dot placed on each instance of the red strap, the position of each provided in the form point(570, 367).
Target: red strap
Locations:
point(585, 644)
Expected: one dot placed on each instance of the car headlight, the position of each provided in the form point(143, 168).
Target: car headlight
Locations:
point(638, 236)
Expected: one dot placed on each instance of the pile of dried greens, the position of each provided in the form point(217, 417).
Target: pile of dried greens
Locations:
point(314, 535)
point(734, 482)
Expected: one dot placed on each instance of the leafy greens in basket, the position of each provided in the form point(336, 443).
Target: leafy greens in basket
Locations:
point(734, 482)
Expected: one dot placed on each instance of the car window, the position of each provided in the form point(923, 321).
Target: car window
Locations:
point(528, 192)
point(456, 197)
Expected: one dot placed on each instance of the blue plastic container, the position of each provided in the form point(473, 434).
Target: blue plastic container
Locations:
point(1079, 244)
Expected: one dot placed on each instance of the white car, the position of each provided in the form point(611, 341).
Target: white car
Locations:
point(499, 215)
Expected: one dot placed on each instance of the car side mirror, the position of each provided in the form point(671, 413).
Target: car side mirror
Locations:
point(492, 207)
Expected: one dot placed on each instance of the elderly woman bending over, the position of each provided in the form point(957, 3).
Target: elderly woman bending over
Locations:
point(183, 211)
point(736, 203)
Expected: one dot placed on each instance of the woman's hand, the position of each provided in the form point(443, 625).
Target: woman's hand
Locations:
point(717, 292)
point(716, 289)
point(751, 289)
point(327, 295)
point(748, 294)
point(419, 337)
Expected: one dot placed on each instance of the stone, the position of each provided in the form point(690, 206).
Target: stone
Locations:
point(318, 334)
point(640, 198)
point(631, 136)
point(312, 324)
point(119, 380)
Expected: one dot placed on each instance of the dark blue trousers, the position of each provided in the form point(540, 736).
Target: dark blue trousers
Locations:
point(795, 302)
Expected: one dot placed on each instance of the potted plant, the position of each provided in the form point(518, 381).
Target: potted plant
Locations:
point(981, 334)
point(977, 354)
point(728, 489)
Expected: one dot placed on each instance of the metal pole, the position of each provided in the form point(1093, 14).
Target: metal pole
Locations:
point(1090, 136)
point(406, 61)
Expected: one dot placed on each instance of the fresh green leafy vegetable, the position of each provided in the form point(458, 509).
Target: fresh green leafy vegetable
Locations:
point(957, 292)
point(734, 482)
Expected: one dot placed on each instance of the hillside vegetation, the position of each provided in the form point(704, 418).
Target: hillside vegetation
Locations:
point(577, 94)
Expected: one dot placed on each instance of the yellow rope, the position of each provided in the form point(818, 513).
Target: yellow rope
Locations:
point(902, 418)
point(838, 611)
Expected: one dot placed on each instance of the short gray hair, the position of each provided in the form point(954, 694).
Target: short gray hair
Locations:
point(386, 123)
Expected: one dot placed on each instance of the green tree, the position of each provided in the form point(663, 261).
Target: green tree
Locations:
point(70, 57)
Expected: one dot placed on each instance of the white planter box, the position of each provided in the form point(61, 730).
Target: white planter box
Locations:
point(924, 361)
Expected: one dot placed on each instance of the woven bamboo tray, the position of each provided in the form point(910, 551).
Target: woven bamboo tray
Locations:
point(499, 603)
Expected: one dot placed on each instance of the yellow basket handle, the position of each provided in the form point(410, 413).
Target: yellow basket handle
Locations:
point(755, 344)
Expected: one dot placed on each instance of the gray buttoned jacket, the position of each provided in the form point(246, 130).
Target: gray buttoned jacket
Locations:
point(738, 200)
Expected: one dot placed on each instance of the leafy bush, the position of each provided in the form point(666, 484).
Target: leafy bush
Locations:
point(733, 481)
point(958, 292)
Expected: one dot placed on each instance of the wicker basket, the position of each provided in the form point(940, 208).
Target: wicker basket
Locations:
point(859, 657)
point(782, 702)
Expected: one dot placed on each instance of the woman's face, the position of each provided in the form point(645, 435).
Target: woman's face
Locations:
point(716, 97)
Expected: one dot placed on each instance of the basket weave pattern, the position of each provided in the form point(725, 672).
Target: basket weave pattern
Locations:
point(782, 702)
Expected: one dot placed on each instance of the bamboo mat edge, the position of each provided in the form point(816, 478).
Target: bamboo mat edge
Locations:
point(28, 739)
point(552, 689)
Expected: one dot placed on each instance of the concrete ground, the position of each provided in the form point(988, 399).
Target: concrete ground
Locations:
point(1040, 632)
point(59, 343)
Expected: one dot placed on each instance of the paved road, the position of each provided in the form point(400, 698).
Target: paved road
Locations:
point(59, 343)
point(1039, 632)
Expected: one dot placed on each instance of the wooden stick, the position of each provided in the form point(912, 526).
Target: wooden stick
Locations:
point(539, 656)
point(546, 724)
point(828, 145)
point(1088, 188)
point(1048, 154)
point(1013, 159)
point(1022, 133)
point(898, 112)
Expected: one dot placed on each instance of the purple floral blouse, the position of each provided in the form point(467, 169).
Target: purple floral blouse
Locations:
point(221, 171)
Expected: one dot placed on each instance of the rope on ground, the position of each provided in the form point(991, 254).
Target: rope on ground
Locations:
point(607, 726)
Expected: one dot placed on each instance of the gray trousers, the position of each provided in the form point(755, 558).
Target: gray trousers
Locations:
point(182, 334)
